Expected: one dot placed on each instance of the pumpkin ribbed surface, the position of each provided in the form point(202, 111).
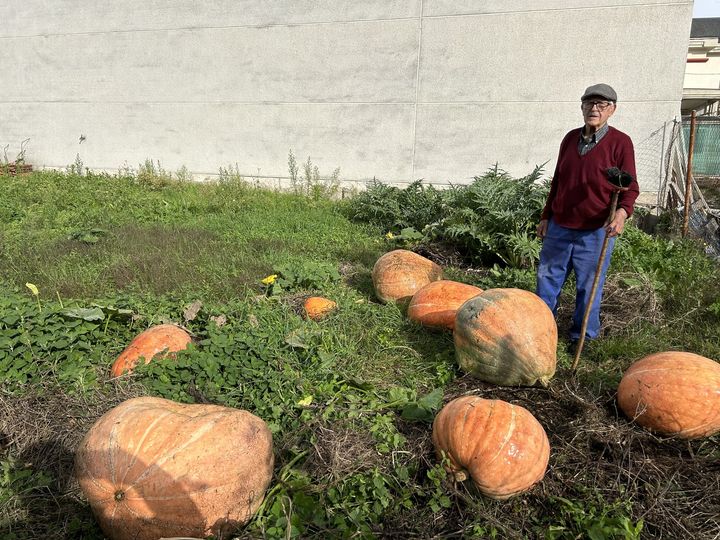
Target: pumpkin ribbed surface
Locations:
point(166, 338)
point(436, 304)
point(152, 468)
point(507, 337)
point(317, 307)
point(674, 393)
point(399, 274)
point(502, 447)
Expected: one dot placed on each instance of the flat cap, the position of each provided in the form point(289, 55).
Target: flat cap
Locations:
point(600, 90)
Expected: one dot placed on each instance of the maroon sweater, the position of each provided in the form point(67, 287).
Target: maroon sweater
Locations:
point(580, 192)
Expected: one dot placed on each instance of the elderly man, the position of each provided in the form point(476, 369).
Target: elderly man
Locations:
point(576, 215)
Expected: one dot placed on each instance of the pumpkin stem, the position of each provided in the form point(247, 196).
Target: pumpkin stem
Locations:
point(119, 495)
point(460, 476)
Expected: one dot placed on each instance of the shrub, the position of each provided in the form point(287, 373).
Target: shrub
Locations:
point(393, 209)
point(492, 220)
point(679, 271)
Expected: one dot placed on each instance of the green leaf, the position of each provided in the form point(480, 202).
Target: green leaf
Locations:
point(86, 314)
point(306, 401)
point(296, 340)
point(631, 281)
point(432, 401)
point(112, 311)
point(415, 413)
point(359, 383)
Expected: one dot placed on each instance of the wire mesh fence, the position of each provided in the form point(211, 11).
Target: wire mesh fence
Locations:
point(703, 220)
point(706, 153)
point(649, 158)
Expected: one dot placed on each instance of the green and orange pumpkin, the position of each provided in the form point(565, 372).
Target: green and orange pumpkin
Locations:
point(506, 337)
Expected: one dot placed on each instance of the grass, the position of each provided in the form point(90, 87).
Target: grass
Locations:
point(182, 238)
point(350, 399)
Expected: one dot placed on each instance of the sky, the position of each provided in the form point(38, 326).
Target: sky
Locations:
point(706, 8)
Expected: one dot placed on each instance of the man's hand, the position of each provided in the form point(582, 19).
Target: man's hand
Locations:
point(542, 228)
point(617, 225)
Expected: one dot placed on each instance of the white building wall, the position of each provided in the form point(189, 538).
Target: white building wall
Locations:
point(392, 89)
point(704, 73)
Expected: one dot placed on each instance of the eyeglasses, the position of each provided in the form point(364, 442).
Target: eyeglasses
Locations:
point(601, 105)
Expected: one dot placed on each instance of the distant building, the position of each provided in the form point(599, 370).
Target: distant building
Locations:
point(701, 89)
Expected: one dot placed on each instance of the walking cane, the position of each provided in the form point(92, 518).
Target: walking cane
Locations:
point(620, 181)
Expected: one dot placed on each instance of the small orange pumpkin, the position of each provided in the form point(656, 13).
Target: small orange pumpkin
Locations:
point(507, 337)
point(502, 447)
point(152, 468)
point(399, 274)
point(317, 307)
point(436, 304)
point(673, 393)
point(163, 338)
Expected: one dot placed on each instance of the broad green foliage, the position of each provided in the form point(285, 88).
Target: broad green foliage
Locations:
point(38, 346)
point(304, 275)
point(597, 520)
point(491, 220)
point(393, 209)
point(677, 269)
point(495, 218)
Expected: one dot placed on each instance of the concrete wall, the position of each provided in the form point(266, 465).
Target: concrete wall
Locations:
point(392, 89)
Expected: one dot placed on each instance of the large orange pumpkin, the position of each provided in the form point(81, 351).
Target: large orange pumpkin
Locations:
point(507, 337)
point(436, 304)
point(399, 274)
point(502, 447)
point(674, 393)
point(153, 468)
point(163, 338)
point(317, 307)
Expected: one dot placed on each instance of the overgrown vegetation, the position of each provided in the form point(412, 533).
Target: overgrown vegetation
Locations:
point(490, 221)
point(350, 400)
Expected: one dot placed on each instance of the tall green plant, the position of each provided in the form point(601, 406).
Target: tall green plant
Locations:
point(394, 209)
point(311, 184)
point(493, 219)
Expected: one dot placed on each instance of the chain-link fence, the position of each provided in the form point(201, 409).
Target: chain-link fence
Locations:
point(649, 158)
point(703, 220)
point(706, 153)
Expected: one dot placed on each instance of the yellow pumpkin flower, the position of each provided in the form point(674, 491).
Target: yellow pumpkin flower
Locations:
point(389, 236)
point(270, 279)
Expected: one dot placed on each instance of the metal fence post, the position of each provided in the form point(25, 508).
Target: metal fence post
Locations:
point(688, 176)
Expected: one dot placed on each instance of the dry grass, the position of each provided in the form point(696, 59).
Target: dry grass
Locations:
point(42, 430)
point(672, 485)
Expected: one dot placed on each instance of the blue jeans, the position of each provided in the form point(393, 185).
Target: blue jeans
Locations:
point(566, 250)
